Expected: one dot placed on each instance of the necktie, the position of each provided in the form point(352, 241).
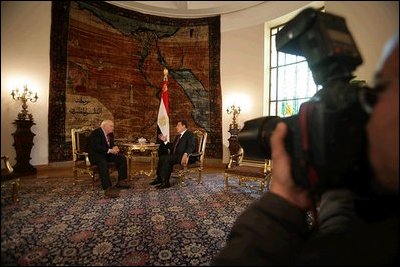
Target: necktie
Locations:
point(176, 143)
point(108, 139)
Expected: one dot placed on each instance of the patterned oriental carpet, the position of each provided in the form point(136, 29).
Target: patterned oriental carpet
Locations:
point(58, 223)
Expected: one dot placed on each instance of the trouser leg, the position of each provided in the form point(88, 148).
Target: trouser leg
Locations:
point(102, 166)
point(122, 167)
point(161, 162)
point(165, 168)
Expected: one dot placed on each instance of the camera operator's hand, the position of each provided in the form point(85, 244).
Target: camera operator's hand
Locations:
point(282, 181)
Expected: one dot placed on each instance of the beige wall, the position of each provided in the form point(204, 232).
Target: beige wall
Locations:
point(25, 35)
point(371, 23)
point(242, 67)
point(25, 47)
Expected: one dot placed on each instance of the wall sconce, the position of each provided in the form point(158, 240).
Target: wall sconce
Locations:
point(235, 111)
point(24, 96)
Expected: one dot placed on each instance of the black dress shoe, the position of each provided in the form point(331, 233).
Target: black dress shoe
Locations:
point(156, 181)
point(111, 192)
point(123, 184)
point(162, 186)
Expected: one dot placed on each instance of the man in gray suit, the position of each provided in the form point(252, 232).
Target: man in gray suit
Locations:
point(183, 145)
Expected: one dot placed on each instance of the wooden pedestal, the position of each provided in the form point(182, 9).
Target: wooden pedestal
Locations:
point(234, 145)
point(23, 142)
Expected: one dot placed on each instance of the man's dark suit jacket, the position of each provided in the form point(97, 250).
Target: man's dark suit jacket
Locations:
point(97, 145)
point(98, 148)
point(187, 144)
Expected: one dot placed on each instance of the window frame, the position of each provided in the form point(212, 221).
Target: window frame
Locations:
point(275, 68)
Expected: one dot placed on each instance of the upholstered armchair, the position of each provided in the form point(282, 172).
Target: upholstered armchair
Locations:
point(80, 155)
point(184, 172)
point(248, 170)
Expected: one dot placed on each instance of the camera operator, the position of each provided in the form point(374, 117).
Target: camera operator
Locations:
point(350, 230)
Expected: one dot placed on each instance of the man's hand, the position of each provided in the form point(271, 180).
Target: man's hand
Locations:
point(185, 159)
point(114, 150)
point(283, 184)
point(162, 137)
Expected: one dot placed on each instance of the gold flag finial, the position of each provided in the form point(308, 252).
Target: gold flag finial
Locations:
point(165, 74)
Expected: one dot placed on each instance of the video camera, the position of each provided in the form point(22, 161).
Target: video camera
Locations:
point(327, 139)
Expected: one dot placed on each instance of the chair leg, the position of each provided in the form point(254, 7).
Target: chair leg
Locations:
point(181, 176)
point(15, 187)
point(75, 176)
point(269, 178)
point(262, 185)
point(226, 180)
point(199, 181)
point(93, 176)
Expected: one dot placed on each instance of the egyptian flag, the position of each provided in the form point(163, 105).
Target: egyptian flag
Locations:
point(163, 111)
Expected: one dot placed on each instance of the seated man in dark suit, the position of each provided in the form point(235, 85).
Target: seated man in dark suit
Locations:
point(183, 145)
point(101, 151)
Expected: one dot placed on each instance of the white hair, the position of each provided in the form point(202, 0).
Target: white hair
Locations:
point(105, 122)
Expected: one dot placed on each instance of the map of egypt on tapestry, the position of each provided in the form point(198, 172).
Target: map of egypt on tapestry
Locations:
point(108, 63)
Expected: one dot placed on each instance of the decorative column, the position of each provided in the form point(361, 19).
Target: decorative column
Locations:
point(23, 143)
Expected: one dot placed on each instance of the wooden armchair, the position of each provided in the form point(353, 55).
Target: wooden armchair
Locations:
point(197, 167)
point(248, 170)
point(80, 155)
point(8, 178)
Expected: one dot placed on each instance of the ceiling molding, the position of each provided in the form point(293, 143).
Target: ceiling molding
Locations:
point(186, 9)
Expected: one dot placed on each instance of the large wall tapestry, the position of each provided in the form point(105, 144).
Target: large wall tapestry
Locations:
point(107, 63)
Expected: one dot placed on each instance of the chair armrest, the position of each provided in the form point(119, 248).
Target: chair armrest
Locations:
point(84, 154)
point(197, 154)
point(7, 163)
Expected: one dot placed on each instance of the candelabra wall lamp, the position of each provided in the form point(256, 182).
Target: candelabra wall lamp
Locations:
point(24, 96)
point(23, 137)
point(234, 145)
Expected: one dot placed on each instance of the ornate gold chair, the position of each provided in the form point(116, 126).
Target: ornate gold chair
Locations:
point(80, 155)
point(8, 178)
point(248, 170)
point(197, 167)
